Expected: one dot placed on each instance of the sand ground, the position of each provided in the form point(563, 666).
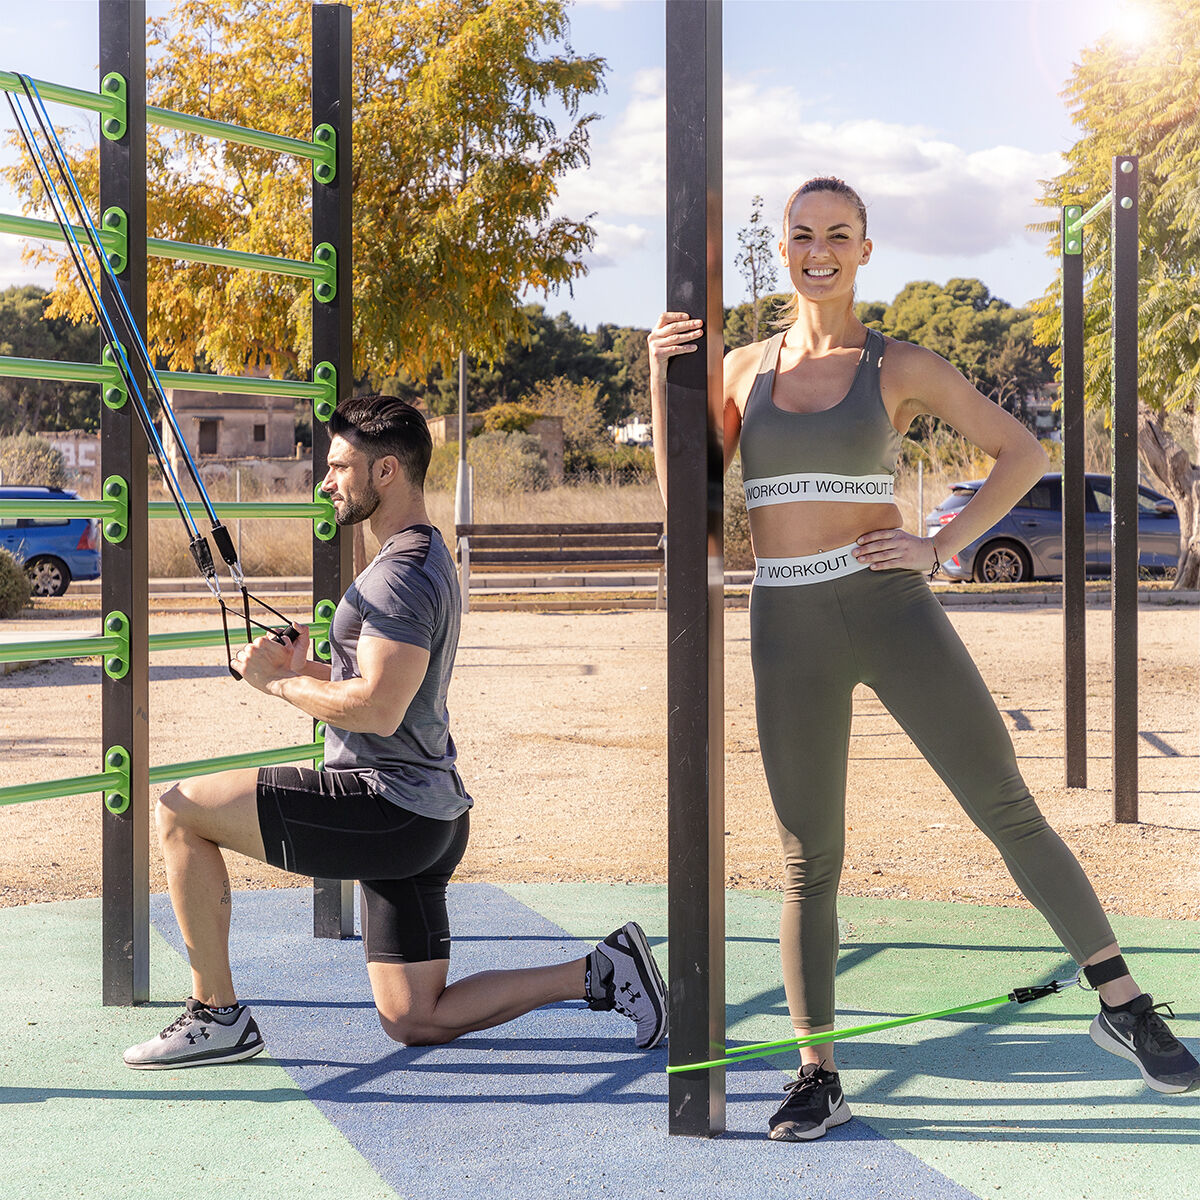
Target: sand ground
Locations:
point(560, 723)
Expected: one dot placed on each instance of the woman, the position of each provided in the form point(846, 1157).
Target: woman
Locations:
point(840, 598)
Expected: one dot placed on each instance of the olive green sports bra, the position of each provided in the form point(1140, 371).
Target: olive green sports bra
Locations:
point(846, 453)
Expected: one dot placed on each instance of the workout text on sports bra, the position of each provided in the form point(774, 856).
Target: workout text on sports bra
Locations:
point(846, 489)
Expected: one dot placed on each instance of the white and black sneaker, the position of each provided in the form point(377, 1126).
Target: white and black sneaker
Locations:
point(622, 974)
point(813, 1104)
point(1136, 1032)
point(199, 1038)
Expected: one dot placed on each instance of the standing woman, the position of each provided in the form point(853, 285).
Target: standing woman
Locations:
point(840, 598)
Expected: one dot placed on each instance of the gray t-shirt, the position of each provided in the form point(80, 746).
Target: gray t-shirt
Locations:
point(408, 593)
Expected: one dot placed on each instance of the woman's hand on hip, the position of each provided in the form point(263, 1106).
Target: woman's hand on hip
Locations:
point(674, 333)
point(893, 549)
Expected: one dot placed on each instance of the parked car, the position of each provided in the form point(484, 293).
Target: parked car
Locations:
point(53, 550)
point(1027, 543)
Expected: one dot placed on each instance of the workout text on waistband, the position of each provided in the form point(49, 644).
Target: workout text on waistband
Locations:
point(807, 568)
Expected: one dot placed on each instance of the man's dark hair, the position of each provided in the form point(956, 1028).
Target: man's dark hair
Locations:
point(382, 425)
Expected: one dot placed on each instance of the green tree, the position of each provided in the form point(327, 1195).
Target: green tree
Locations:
point(1144, 101)
point(756, 259)
point(26, 332)
point(31, 461)
point(457, 158)
point(579, 406)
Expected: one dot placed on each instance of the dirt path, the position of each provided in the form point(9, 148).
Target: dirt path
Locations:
point(560, 723)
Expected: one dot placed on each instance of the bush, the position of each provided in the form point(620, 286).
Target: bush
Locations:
point(612, 464)
point(14, 586)
point(502, 463)
point(738, 554)
point(509, 418)
point(29, 461)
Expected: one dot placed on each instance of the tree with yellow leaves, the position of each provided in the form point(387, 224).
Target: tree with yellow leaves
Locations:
point(457, 160)
point(1144, 100)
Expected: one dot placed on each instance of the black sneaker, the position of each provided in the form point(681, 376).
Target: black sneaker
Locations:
point(622, 974)
point(813, 1104)
point(1139, 1034)
point(198, 1038)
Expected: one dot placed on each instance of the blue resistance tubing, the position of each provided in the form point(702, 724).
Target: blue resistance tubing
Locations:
point(140, 342)
point(109, 327)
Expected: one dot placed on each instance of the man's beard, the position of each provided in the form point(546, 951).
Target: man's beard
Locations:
point(354, 511)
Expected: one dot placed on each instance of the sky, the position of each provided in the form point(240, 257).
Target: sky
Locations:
point(943, 114)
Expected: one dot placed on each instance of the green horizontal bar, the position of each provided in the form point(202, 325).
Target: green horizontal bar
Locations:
point(198, 639)
point(44, 368)
point(164, 118)
point(230, 762)
point(235, 385)
point(48, 231)
point(60, 508)
point(93, 101)
point(1094, 211)
point(81, 646)
point(159, 509)
point(52, 789)
point(87, 645)
point(176, 251)
point(219, 257)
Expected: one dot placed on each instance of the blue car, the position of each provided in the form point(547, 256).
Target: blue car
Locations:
point(53, 550)
point(1027, 543)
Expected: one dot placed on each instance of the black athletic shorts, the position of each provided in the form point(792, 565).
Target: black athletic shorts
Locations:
point(330, 825)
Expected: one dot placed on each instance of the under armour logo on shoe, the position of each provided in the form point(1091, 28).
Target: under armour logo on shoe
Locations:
point(627, 988)
point(200, 1033)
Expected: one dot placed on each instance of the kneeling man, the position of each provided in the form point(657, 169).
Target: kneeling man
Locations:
point(388, 808)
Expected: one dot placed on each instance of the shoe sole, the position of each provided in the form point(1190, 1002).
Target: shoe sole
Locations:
point(839, 1116)
point(1106, 1041)
point(235, 1055)
point(654, 983)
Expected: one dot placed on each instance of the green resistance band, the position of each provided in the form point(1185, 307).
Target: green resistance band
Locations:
point(1021, 995)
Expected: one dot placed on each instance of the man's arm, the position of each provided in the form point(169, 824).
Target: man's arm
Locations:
point(374, 701)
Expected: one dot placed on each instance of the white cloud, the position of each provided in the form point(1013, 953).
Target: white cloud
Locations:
point(924, 194)
point(615, 242)
point(14, 272)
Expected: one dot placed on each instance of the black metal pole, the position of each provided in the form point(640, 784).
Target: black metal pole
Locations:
point(1124, 487)
point(125, 835)
point(333, 562)
point(695, 572)
point(1073, 504)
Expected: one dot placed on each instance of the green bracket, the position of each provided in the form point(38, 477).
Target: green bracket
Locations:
point(114, 227)
point(115, 124)
point(117, 525)
point(116, 758)
point(325, 374)
point(319, 736)
point(325, 288)
point(324, 526)
point(1072, 242)
point(116, 392)
point(116, 666)
point(325, 168)
point(324, 612)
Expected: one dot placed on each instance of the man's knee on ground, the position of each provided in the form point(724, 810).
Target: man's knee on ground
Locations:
point(411, 1028)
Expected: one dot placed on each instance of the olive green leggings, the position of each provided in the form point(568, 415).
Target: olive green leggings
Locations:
point(810, 645)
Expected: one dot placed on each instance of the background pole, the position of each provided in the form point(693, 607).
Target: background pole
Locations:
point(1073, 504)
point(1124, 487)
point(333, 342)
point(125, 836)
point(695, 572)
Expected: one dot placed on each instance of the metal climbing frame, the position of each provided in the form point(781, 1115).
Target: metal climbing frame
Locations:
point(1122, 199)
point(124, 509)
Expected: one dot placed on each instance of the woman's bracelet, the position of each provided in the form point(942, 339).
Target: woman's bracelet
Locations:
point(937, 562)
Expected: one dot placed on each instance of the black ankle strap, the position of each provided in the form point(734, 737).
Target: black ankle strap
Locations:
point(1106, 971)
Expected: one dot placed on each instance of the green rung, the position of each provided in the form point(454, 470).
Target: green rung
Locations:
point(108, 103)
point(165, 118)
point(53, 789)
point(231, 762)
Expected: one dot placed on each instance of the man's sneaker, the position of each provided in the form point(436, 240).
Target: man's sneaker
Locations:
point(813, 1104)
point(198, 1038)
point(1139, 1034)
point(622, 974)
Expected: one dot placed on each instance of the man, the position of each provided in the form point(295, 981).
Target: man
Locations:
point(388, 808)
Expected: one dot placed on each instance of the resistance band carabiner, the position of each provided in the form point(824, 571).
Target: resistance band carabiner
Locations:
point(1021, 995)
